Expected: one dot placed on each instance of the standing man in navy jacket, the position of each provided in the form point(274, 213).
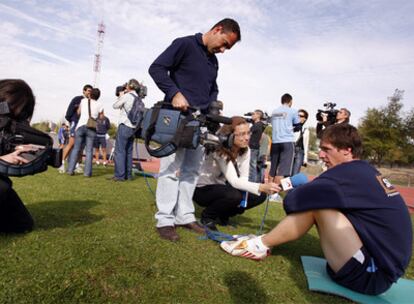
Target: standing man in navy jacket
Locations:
point(186, 72)
point(72, 117)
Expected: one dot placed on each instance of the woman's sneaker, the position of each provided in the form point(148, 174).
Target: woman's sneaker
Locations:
point(245, 247)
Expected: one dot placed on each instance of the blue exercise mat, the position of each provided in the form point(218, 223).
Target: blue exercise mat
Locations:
point(318, 279)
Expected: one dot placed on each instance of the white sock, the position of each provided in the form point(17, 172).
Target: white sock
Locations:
point(257, 243)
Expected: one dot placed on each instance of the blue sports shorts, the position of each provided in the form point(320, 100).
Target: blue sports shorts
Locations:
point(364, 278)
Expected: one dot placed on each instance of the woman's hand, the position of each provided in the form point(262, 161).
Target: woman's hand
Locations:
point(15, 158)
point(269, 188)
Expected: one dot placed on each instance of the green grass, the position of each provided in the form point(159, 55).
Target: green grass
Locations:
point(95, 242)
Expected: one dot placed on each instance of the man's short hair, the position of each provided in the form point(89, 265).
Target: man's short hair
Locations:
point(229, 25)
point(305, 113)
point(286, 98)
point(87, 86)
point(343, 136)
point(95, 94)
point(133, 84)
point(260, 112)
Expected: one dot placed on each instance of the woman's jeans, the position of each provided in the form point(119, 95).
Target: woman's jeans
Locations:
point(82, 135)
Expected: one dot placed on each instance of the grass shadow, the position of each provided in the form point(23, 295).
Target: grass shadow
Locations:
point(63, 214)
point(244, 289)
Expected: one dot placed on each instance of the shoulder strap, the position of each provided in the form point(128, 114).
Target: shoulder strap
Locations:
point(89, 106)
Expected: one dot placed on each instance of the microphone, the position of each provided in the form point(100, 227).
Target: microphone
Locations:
point(294, 181)
point(220, 119)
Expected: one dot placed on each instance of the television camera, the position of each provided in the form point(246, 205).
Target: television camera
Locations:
point(170, 129)
point(141, 90)
point(264, 119)
point(14, 134)
point(329, 111)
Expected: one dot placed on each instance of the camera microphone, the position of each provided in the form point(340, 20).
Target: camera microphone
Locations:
point(220, 119)
point(248, 114)
point(293, 181)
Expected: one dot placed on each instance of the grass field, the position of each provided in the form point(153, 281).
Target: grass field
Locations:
point(95, 242)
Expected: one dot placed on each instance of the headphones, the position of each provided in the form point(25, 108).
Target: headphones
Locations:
point(227, 141)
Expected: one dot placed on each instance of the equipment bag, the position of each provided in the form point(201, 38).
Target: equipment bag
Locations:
point(169, 128)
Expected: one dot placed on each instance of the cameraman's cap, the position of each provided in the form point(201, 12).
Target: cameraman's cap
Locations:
point(133, 84)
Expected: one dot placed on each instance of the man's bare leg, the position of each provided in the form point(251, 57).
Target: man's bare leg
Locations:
point(338, 238)
point(97, 155)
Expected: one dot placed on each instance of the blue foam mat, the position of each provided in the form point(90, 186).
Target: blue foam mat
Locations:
point(318, 280)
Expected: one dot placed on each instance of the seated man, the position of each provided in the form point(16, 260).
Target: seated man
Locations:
point(362, 221)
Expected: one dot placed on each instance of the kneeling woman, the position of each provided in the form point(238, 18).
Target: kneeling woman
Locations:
point(223, 180)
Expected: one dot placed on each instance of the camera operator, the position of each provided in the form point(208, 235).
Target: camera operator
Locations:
point(223, 180)
point(301, 142)
point(125, 134)
point(17, 102)
point(342, 116)
point(186, 72)
point(256, 130)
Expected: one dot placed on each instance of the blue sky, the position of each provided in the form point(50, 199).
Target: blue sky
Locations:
point(353, 53)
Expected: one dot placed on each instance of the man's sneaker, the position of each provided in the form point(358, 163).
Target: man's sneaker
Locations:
point(104, 163)
point(61, 169)
point(79, 169)
point(242, 248)
point(97, 162)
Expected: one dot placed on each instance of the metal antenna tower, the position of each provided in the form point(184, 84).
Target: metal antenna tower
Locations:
point(98, 55)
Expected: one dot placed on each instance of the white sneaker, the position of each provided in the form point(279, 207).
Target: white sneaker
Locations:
point(97, 163)
point(61, 169)
point(275, 198)
point(241, 248)
point(104, 163)
point(79, 169)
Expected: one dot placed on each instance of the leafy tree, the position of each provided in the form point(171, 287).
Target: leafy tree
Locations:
point(385, 133)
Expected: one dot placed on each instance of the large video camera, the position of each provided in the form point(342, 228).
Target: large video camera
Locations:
point(141, 90)
point(264, 119)
point(329, 111)
point(13, 134)
point(170, 128)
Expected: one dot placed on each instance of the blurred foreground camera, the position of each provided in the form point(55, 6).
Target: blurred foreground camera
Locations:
point(14, 134)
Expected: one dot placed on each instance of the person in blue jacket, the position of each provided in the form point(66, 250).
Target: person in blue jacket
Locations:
point(363, 223)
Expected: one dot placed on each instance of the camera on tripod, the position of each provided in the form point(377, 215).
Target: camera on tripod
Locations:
point(141, 90)
point(329, 111)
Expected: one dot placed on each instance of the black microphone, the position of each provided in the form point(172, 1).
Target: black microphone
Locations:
point(220, 119)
